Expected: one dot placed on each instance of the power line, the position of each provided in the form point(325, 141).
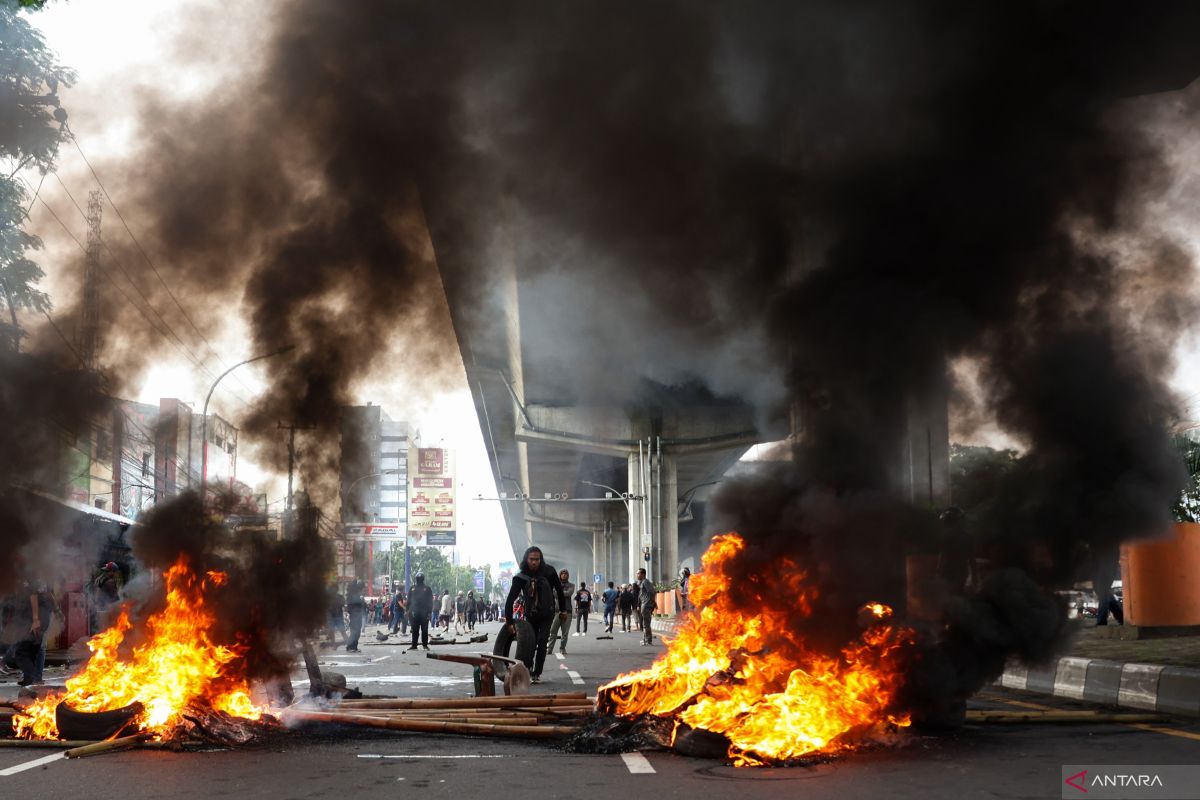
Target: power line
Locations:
point(172, 337)
point(146, 256)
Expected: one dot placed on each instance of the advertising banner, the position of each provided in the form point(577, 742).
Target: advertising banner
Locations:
point(374, 532)
point(431, 508)
point(479, 580)
point(442, 538)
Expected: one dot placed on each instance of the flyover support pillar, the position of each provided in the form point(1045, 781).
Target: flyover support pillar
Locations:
point(637, 520)
point(599, 555)
point(667, 504)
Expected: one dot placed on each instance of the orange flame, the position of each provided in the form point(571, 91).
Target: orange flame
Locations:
point(177, 669)
point(752, 679)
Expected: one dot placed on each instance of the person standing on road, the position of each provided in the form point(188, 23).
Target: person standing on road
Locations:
point(541, 591)
point(472, 611)
point(561, 625)
point(399, 613)
point(625, 605)
point(583, 607)
point(685, 578)
point(356, 606)
point(637, 606)
point(420, 606)
point(646, 594)
point(610, 607)
point(446, 612)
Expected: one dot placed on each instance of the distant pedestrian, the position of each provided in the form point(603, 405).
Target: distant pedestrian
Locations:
point(446, 612)
point(625, 605)
point(583, 607)
point(472, 611)
point(637, 605)
point(562, 625)
point(420, 606)
point(685, 579)
point(610, 606)
point(337, 618)
point(538, 586)
point(399, 613)
point(647, 605)
point(356, 608)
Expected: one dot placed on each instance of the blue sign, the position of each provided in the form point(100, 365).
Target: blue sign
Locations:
point(442, 538)
point(479, 577)
point(597, 578)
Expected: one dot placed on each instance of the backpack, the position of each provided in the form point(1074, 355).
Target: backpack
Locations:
point(539, 597)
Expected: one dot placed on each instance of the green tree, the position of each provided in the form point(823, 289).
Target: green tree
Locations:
point(975, 474)
point(32, 126)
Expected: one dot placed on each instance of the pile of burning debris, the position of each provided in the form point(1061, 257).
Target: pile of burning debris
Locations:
point(743, 683)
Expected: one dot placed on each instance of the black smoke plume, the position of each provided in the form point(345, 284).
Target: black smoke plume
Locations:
point(811, 203)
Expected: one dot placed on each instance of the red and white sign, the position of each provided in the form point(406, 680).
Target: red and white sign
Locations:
point(375, 532)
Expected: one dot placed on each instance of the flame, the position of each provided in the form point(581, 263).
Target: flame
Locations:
point(176, 670)
point(752, 678)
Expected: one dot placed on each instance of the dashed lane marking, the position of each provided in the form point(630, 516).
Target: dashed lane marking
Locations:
point(636, 763)
point(37, 762)
point(575, 677)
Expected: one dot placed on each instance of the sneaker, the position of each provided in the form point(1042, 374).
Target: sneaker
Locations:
point(425, 646)
point(535, 678)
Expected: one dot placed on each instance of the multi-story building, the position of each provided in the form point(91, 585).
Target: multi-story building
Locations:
point(374, 466)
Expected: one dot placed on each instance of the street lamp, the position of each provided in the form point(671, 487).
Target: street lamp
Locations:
point(625, 498)
point(204, 422)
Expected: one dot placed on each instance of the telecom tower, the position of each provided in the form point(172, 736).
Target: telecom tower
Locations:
point(89, 329)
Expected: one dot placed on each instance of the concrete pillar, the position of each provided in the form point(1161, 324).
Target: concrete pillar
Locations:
point(668, 560)
point(636, 528)
point(599, 553)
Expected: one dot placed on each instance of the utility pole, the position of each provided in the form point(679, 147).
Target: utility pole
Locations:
point(89, 328)
point(291, 429)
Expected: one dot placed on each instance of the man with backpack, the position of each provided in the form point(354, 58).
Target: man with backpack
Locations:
point(540, 590)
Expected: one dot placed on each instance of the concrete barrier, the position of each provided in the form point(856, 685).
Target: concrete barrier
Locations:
point(1145, 687)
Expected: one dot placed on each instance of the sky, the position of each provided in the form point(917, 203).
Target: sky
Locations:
point(122, 49)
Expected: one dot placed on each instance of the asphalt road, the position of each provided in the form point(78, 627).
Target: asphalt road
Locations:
point(1010, 761)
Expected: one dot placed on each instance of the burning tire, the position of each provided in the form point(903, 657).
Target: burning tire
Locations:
point(98, 725)
point(524, 639)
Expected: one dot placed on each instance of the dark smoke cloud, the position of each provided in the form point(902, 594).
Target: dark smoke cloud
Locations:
point(782, 201)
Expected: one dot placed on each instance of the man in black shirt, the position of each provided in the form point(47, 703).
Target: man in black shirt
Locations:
point(531, 584)
point(420, 606)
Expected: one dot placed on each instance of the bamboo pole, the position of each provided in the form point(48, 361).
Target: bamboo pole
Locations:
point(45, 742)
point(430, 726)
point(468, 702)
point(1019, 717)
point(111, 744)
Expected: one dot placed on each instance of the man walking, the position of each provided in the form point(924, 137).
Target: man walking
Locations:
point(646, 594)
point(625, 604)
point(538, 585)
point(420, 606)
point(610, 607)
point(562, 625)
point(446, 613)
point(583, 607)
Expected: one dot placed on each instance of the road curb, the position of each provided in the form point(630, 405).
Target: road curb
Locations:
point(1146, 687)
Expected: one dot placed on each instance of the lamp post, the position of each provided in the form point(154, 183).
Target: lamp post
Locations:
point(204, 421)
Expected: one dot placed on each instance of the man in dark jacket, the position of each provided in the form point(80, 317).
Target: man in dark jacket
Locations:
point(356, 606)
point(420, 606)
point(535, 576)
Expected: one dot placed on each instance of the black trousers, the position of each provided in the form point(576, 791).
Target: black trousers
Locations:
point(582, 618)
point(541, 635)
point(420, 627)
point(356, 624)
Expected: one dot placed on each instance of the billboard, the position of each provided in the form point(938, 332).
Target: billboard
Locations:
point(431, 508)
point(374, 532)
point(479, 580)
point(442, 538)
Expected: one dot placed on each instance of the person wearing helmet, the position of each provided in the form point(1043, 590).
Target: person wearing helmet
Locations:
point(420, 605)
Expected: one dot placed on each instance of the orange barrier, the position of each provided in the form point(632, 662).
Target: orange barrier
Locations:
point(1161, 578)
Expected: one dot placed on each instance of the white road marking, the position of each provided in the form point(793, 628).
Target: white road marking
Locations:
point(413, 755)
point(37, 762)
point(575, 677)
point(636, 763)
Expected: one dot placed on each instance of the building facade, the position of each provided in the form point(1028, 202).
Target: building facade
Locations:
point(374, 467)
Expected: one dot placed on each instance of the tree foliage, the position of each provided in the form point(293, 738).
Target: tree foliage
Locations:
point(439, 573)
point(32, 126)
point(1187, 507)
point(976, 473)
